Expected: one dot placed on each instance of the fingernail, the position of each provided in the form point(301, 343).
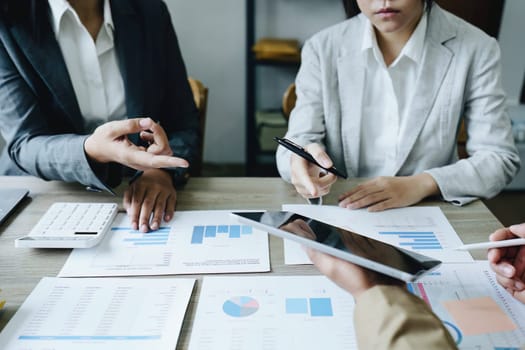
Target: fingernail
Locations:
point(167, 218)
point(519, 285)
point(324, 162)
point(144, 122)
point(154, 225)
point(144, 228)
point(515, 228)
point(508, 271)
point(135, 225)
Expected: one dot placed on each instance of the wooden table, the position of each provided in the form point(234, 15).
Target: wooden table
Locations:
point(21, 269)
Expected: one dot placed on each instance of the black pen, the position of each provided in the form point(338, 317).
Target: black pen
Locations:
point(295, 148)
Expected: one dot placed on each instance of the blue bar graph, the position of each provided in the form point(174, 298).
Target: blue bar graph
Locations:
point(296, 306)
point(235, 231)
point(211, 231)
point(319, 307)
point(200, 233)
point(246, 230)
point(423, 240)
point(158, 237)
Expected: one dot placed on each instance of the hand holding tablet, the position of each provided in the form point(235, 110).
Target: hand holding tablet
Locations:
point(353, 247)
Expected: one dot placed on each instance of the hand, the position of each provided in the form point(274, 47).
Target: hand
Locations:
point(109, 143)
point(389, 192)
point(509, 263)
point(152, 192)
point(309, 180)
point(352, 278)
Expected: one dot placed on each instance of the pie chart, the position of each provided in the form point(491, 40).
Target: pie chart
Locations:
point(240, 306)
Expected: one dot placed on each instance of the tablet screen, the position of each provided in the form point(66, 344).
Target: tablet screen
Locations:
point(344, 241)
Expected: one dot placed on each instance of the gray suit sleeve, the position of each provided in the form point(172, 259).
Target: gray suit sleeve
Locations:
point(34, 146)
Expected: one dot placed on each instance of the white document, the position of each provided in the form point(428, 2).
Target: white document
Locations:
point(425, 230)
point(193, 242)
point(283, 312)
point(452, 282)
point(100, 314)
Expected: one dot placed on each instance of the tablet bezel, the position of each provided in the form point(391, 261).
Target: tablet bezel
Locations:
point(358, 260)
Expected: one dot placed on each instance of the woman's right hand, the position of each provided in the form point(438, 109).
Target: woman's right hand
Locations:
point(309, 180)
point(109, 143)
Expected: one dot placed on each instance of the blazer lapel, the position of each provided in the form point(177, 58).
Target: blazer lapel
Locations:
point(51, 67)
point(129, 45)
point(351, 70)
point(435, 64)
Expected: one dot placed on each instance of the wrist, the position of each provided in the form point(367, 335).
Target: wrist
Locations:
point(427, 185)
point(90, 149)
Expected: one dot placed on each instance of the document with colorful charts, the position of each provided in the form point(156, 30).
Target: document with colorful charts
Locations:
point(425, 230)
point(477, 311)
point(193, 242)
point(267, 312)
point(100, 314)
point(310, 312)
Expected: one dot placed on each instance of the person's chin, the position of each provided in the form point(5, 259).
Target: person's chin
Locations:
point(388, 26)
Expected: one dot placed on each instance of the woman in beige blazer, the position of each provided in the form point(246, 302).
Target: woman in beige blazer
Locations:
point(397, 124)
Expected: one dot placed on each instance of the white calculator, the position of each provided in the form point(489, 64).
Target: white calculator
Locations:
point(71, 225)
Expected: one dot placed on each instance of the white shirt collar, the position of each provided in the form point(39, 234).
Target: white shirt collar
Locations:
point(60, 7)
point(413, 49)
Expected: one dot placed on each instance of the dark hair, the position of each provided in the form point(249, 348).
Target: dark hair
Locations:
point(352, 9)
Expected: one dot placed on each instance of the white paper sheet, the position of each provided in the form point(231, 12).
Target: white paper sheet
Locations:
point(425, 230)
point(454, 282)
point(284, 312)
point(100, 314)
point(310, 312)
point(193, 242)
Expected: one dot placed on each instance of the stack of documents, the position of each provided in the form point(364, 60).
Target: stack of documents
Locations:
point(250, 312)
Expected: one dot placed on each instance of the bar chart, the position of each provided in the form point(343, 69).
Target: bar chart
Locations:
point(199, 233)
point(315, 307)
point(193, 242)
point(416, 240)
point(158, 237)
point(272, 313)
point(421, 229)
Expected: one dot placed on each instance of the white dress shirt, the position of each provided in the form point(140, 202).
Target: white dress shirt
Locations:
point(92, 65)
point(387, 94)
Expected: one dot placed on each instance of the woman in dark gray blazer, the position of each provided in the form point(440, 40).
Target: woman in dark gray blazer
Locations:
point(74, 77)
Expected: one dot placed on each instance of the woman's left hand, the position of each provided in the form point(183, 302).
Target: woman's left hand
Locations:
point(151, 193)
point(389, 192)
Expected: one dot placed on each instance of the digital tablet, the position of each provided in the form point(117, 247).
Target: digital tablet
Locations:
point(342, 243)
